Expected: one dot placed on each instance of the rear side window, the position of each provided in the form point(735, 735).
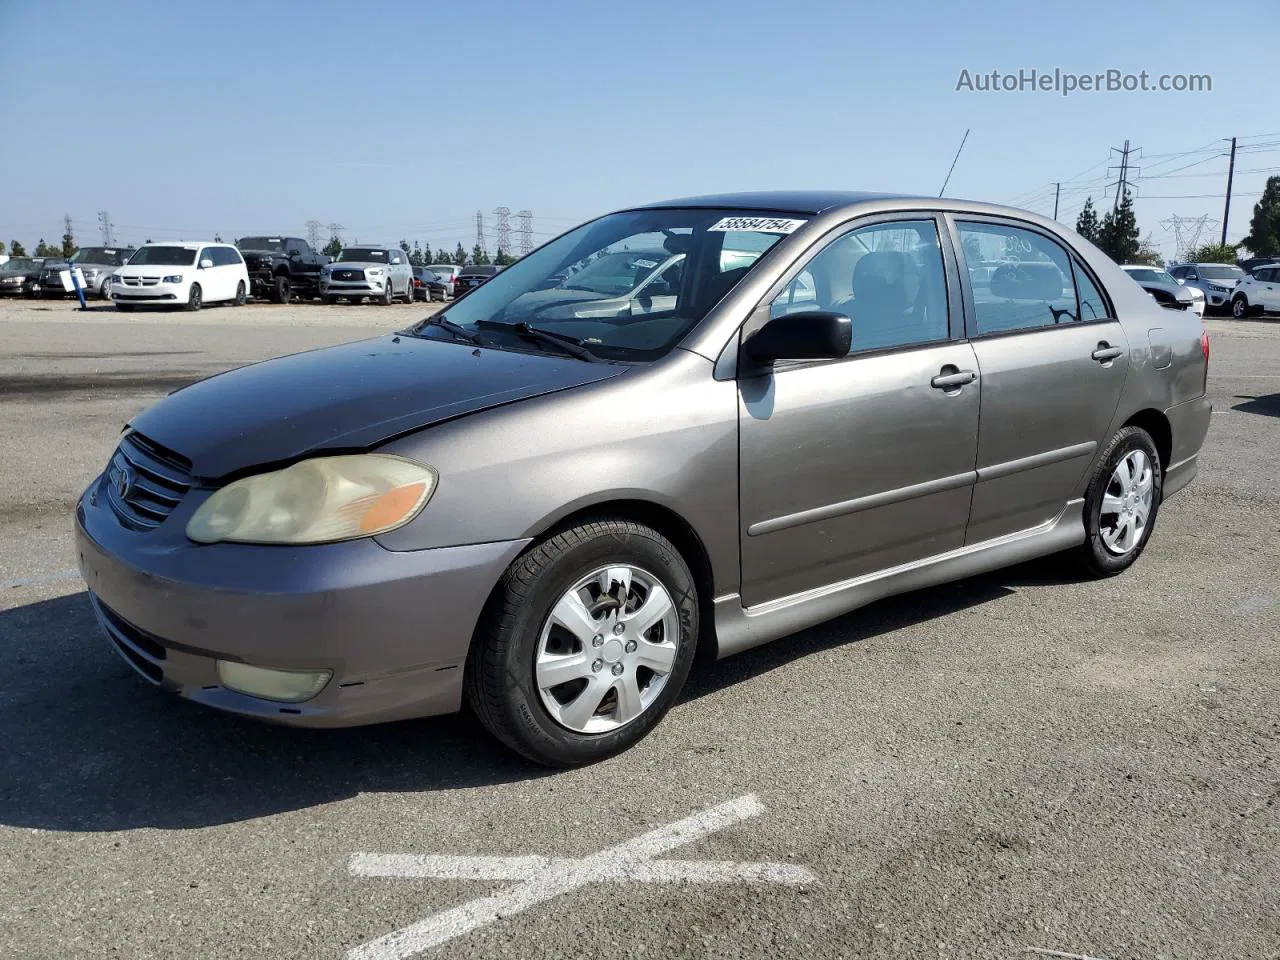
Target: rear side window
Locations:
point(1092, 305)
point(1021, 280)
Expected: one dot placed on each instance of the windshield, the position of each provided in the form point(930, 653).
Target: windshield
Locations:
point(274, 244)
point(108, 256)
point(1215, 272)
point(164, 256)
point(1149, 275)
point(363, 255)
point(17, 265)
point(628, 285)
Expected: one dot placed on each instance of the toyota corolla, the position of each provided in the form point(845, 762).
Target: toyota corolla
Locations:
point(545, 514)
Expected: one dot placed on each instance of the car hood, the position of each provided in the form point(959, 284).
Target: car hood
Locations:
point(347, 397)
point(152, 269)
point(357, 264)
point(558, 303)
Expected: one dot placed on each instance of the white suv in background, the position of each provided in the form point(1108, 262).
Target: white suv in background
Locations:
point(1257, 292)
point(181, 274)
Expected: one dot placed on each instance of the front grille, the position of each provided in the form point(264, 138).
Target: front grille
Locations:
point(138, 648)
point(139, 281)
point(145, 482)
point(348, 274)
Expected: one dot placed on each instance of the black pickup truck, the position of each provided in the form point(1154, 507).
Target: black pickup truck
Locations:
point(281, 268)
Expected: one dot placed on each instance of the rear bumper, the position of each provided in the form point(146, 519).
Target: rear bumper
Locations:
point(393, 627)
point(1189, 425)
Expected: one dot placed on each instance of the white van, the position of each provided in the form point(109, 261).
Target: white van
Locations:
point(181, 274)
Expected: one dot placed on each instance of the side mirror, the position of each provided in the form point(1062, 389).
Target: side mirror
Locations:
point(206, 263)
point(295, 253)
point(811, 335)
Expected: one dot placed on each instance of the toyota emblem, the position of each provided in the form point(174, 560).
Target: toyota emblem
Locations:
point(124, 481)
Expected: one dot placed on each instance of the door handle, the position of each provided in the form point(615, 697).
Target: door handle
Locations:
point(950, 378)
point(1105, 352)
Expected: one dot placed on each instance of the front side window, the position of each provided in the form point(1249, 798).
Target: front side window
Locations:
point(1030, 285)
point(888, 278)
point(160, 256)
point(627, 286)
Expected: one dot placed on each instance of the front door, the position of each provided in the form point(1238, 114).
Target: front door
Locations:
point(857, 465)
point(1053, 361)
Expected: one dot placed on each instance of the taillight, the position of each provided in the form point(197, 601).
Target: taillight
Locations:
point(1204, 346)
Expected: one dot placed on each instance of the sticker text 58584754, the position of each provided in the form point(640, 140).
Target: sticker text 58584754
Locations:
point(757, 225)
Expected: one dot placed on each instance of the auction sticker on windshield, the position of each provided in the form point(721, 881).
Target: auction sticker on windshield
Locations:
point(757, 225)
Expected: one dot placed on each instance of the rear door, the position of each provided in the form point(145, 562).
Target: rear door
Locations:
point(856, 465)
point(1269, 288)
point(1053, 361)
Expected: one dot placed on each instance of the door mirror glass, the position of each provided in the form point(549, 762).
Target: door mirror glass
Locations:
point(295, 253)
point(811, 335)
point(206, 263)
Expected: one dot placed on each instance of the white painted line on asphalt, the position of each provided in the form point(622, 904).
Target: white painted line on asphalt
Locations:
point(544, 878)
point(68, 574)
point(1058, 953)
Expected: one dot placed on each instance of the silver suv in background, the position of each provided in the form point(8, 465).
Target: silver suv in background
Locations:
point(96, 265)
point(1215, 280)
point(380, 273)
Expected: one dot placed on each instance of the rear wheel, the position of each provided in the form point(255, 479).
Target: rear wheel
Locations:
point(240, 294)
point(1121, 503)
point(195, 299)
point(586, 643)
point(1239, 307)
point(281, 289)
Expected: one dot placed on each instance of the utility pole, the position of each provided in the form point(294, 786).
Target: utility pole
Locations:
point(526, 232)
point(1226, 210)
point(504, 228)
point(480, 230)
point(313, 234)
point(1124, 170)
point(104, 224)
point(1057, 192)
point(335, 230)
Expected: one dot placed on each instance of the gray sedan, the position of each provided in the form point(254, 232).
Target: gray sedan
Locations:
point(547, 516)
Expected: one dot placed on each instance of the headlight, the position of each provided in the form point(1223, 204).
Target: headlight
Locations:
point(373, 271)
point(176, 278)
point(91, 273)
point(317, 501)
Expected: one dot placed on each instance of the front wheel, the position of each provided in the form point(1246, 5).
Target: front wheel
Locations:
point(1121, 503)
point(329, 299)
point(195, 299)
point(1239, 307)
point(281, 290)
point(388, 295)
point(586, 643)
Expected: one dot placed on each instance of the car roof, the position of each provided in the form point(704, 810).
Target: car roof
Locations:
point(790, 201)
point(185, 243)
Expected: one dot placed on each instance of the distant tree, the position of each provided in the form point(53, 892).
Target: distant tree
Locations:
point(1148, 254)
point(16, 249)
point(217, 238)
point(404, 245)
point(1264, 229)
point(68, 248)
point(479, 255)
point(44, 250)
point(1214, 253)
point(1118, 235)
point(333, 247)
point(460, 255)
point(1087, 222)
point(441, 256)
point(416, 258)
point(504, 259)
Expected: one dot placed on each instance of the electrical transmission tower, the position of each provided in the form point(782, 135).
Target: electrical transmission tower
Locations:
point(526, 232)
point(108, 231)
point(313, 234)
point(504, 228)
point(479, 229)
point(1127, 172)
point(335, 230)
point(1186, 232)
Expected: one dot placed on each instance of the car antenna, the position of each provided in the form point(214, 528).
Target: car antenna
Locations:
point(953, 163)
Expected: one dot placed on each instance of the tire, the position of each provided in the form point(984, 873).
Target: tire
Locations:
point(281, 289)
point(1106, 550)
point(195, 299)
point(501, 682)
point(241, 296)
point(1240, 307)
point(388, 295)
point(329, 299)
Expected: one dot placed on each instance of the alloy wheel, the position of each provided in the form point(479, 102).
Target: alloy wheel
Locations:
point(607, 649)
point(1126, 504)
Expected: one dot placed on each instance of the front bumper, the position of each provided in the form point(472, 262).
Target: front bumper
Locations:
point(153, 293)
point(351, 288)
point(394, 627)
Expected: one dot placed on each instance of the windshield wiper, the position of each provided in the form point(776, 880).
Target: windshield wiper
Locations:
point(462, 333)
point(570, 345)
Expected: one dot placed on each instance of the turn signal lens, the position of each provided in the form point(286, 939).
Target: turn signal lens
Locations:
point(316, 501)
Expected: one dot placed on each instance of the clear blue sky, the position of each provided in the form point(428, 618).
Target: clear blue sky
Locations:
point(402, 119)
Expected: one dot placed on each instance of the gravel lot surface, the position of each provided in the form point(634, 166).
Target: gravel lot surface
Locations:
point(1023, 760)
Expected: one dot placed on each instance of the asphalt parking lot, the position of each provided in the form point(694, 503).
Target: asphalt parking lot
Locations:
point(1023, 764)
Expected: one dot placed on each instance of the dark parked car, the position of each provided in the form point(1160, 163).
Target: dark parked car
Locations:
point(281, 268)
point(19, 275)
point(471, 277)
point(428, 285)
point(548, 517)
